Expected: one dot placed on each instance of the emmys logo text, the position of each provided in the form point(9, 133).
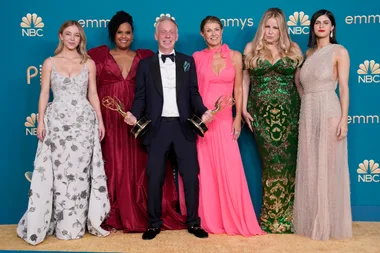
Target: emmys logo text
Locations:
point(237, 22)
point(94, 23)
point(363, 19)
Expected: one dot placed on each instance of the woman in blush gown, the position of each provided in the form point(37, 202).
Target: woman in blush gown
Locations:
point(322, 206)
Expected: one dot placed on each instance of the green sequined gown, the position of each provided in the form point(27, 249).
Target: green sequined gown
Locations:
point(274, 105)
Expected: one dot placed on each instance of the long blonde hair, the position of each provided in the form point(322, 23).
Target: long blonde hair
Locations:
point(81, 48)
point(260, 50)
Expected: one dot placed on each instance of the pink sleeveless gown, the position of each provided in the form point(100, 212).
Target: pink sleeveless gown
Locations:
point(225, 204)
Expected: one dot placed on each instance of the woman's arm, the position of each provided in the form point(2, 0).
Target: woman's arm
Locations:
point(44, 97)
point(245, 86)
point(93, 96)
point(343, 67)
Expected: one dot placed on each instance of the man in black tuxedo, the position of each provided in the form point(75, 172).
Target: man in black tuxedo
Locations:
point(167, 94)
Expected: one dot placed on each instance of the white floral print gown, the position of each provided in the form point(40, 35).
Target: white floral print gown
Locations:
point(68, 192)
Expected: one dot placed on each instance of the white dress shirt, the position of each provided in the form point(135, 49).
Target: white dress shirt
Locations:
point(168, 78)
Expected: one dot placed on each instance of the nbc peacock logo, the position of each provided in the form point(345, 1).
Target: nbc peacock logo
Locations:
point(167, 15)
point(369, 72)
point(31, 125)
point(298, 23)
point(32, 25)
point(368, 172)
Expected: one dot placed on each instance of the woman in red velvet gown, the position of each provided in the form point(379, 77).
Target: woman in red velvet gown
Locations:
point(124, 156)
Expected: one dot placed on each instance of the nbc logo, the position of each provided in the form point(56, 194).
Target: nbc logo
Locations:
point(30, 124)
point(32, 25)
point(168, 15)
point(33, 71)
point(298, 23)
point(369, 72)
point(368, 172)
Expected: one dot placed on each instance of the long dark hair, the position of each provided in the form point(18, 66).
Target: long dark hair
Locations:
point(312, 38)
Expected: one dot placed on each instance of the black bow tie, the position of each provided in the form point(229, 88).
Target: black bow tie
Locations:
point(170, 56)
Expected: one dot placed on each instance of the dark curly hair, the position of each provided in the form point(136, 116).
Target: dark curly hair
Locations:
point(119, 18)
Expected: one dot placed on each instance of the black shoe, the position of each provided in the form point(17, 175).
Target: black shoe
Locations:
point(150, 233)
point(197, 231)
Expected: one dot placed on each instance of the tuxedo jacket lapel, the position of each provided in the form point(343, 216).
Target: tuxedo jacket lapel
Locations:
point(179, 72)
point(156, 73)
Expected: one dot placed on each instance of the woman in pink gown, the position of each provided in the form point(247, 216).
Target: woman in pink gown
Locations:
point(225, 204)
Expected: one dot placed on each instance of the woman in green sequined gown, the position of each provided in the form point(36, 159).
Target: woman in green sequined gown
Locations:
point(271, 109)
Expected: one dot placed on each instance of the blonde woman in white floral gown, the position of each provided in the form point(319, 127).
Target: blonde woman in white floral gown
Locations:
point(68, 193)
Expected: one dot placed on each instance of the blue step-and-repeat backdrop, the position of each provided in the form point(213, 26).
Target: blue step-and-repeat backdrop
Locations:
point(30, 35)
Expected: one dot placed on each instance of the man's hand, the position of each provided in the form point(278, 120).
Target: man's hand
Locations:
point(207, 117)
point(130, 119)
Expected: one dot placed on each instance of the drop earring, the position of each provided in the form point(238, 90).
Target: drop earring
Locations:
point(332, 33)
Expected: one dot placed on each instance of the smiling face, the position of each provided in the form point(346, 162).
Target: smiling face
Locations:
point(212, 33)
point(71, 37)
point(124, 36)
point(166, 35)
